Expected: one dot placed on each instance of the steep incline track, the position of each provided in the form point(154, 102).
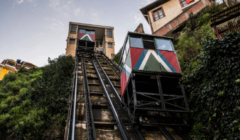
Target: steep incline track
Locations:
point(96, 110)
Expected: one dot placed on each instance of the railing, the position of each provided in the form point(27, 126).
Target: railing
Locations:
point(225, 15)
point(72, 106)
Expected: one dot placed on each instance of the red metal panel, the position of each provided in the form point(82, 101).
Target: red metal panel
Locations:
point(93, 37)
point(123, 83)
point(135, 54)
point(172, 59)
point(80, 35)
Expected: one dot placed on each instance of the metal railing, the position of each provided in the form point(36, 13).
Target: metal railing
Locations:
point(72, 101)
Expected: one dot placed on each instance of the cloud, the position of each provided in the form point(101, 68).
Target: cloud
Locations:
point(79, 12)
point(146, 2)
point(54, 24)
point(62, 6)
point(137, 18)
point(94, 16)
point(23, 1)
point(54, 4)
point(19, 1)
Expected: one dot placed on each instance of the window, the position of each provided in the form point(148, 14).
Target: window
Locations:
point(149, 45)
point(82, 31)
point(185, 3)
point(164, 44)
point(136, 42)
point(110, 45)
point(109, 32)
point(73, 28)
point(92, 32)
point(86, 32)
point(158, 14)
point(72, 41)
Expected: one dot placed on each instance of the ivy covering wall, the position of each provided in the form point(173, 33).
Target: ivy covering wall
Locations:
point(34, 103)
point(215, 89)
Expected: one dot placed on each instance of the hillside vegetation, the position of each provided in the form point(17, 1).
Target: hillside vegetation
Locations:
point(33, 104)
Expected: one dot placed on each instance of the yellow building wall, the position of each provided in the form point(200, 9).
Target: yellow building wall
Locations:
point(109, 51)
point(3, 72)
point(171, 9)
point(71, 48)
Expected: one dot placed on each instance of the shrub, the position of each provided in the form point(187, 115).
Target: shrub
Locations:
point(215, 96)
point(10, 77)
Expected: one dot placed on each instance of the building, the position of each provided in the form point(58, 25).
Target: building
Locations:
point(99, 37)
point(11, 66)
point(165, 16)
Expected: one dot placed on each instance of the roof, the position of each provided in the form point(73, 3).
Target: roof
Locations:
point(91, 25)
point(151, 6)
point(141, 34)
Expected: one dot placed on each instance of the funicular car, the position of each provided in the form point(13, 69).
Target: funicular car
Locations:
point(151, 82)
point(86, 40)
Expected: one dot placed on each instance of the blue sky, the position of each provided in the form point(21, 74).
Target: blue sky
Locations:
point(33, 30)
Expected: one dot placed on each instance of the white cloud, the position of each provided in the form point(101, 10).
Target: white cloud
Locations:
point(62, 6)
point(23, 1)
point(146, 2)
point(95, 16)
point(19, 1)
point(54, 24)
point(79, 12)
point(54, 4)
point(137, 18)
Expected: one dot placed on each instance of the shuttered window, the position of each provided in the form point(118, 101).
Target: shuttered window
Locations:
point(72, 41)
point(158, 14)
point(73, 28)
point(109, 32)
point(110, 45)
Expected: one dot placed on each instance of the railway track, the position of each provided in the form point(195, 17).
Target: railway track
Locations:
point(96, 110)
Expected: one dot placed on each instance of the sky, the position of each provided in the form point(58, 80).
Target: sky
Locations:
point(33, 30)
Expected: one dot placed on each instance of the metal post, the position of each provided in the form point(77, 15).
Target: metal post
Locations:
point(161, 92)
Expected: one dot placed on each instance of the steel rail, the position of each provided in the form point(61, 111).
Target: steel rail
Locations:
point(88, 105)
point(75, 101)
point(119, 124)
point(120, 101)
point(110, 67)
point(115, 91)
point(112, 62)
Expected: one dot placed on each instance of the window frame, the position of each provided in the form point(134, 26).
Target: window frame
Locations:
point(110, 43)
point(72, 39)
point(156, 45)
point(153, 13)
point(73, 26)
point(109, 31)
point(130, 43)
point(181, 3)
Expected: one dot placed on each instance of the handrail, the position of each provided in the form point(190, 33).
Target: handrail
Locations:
point(67, 131)
point(75, 101)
